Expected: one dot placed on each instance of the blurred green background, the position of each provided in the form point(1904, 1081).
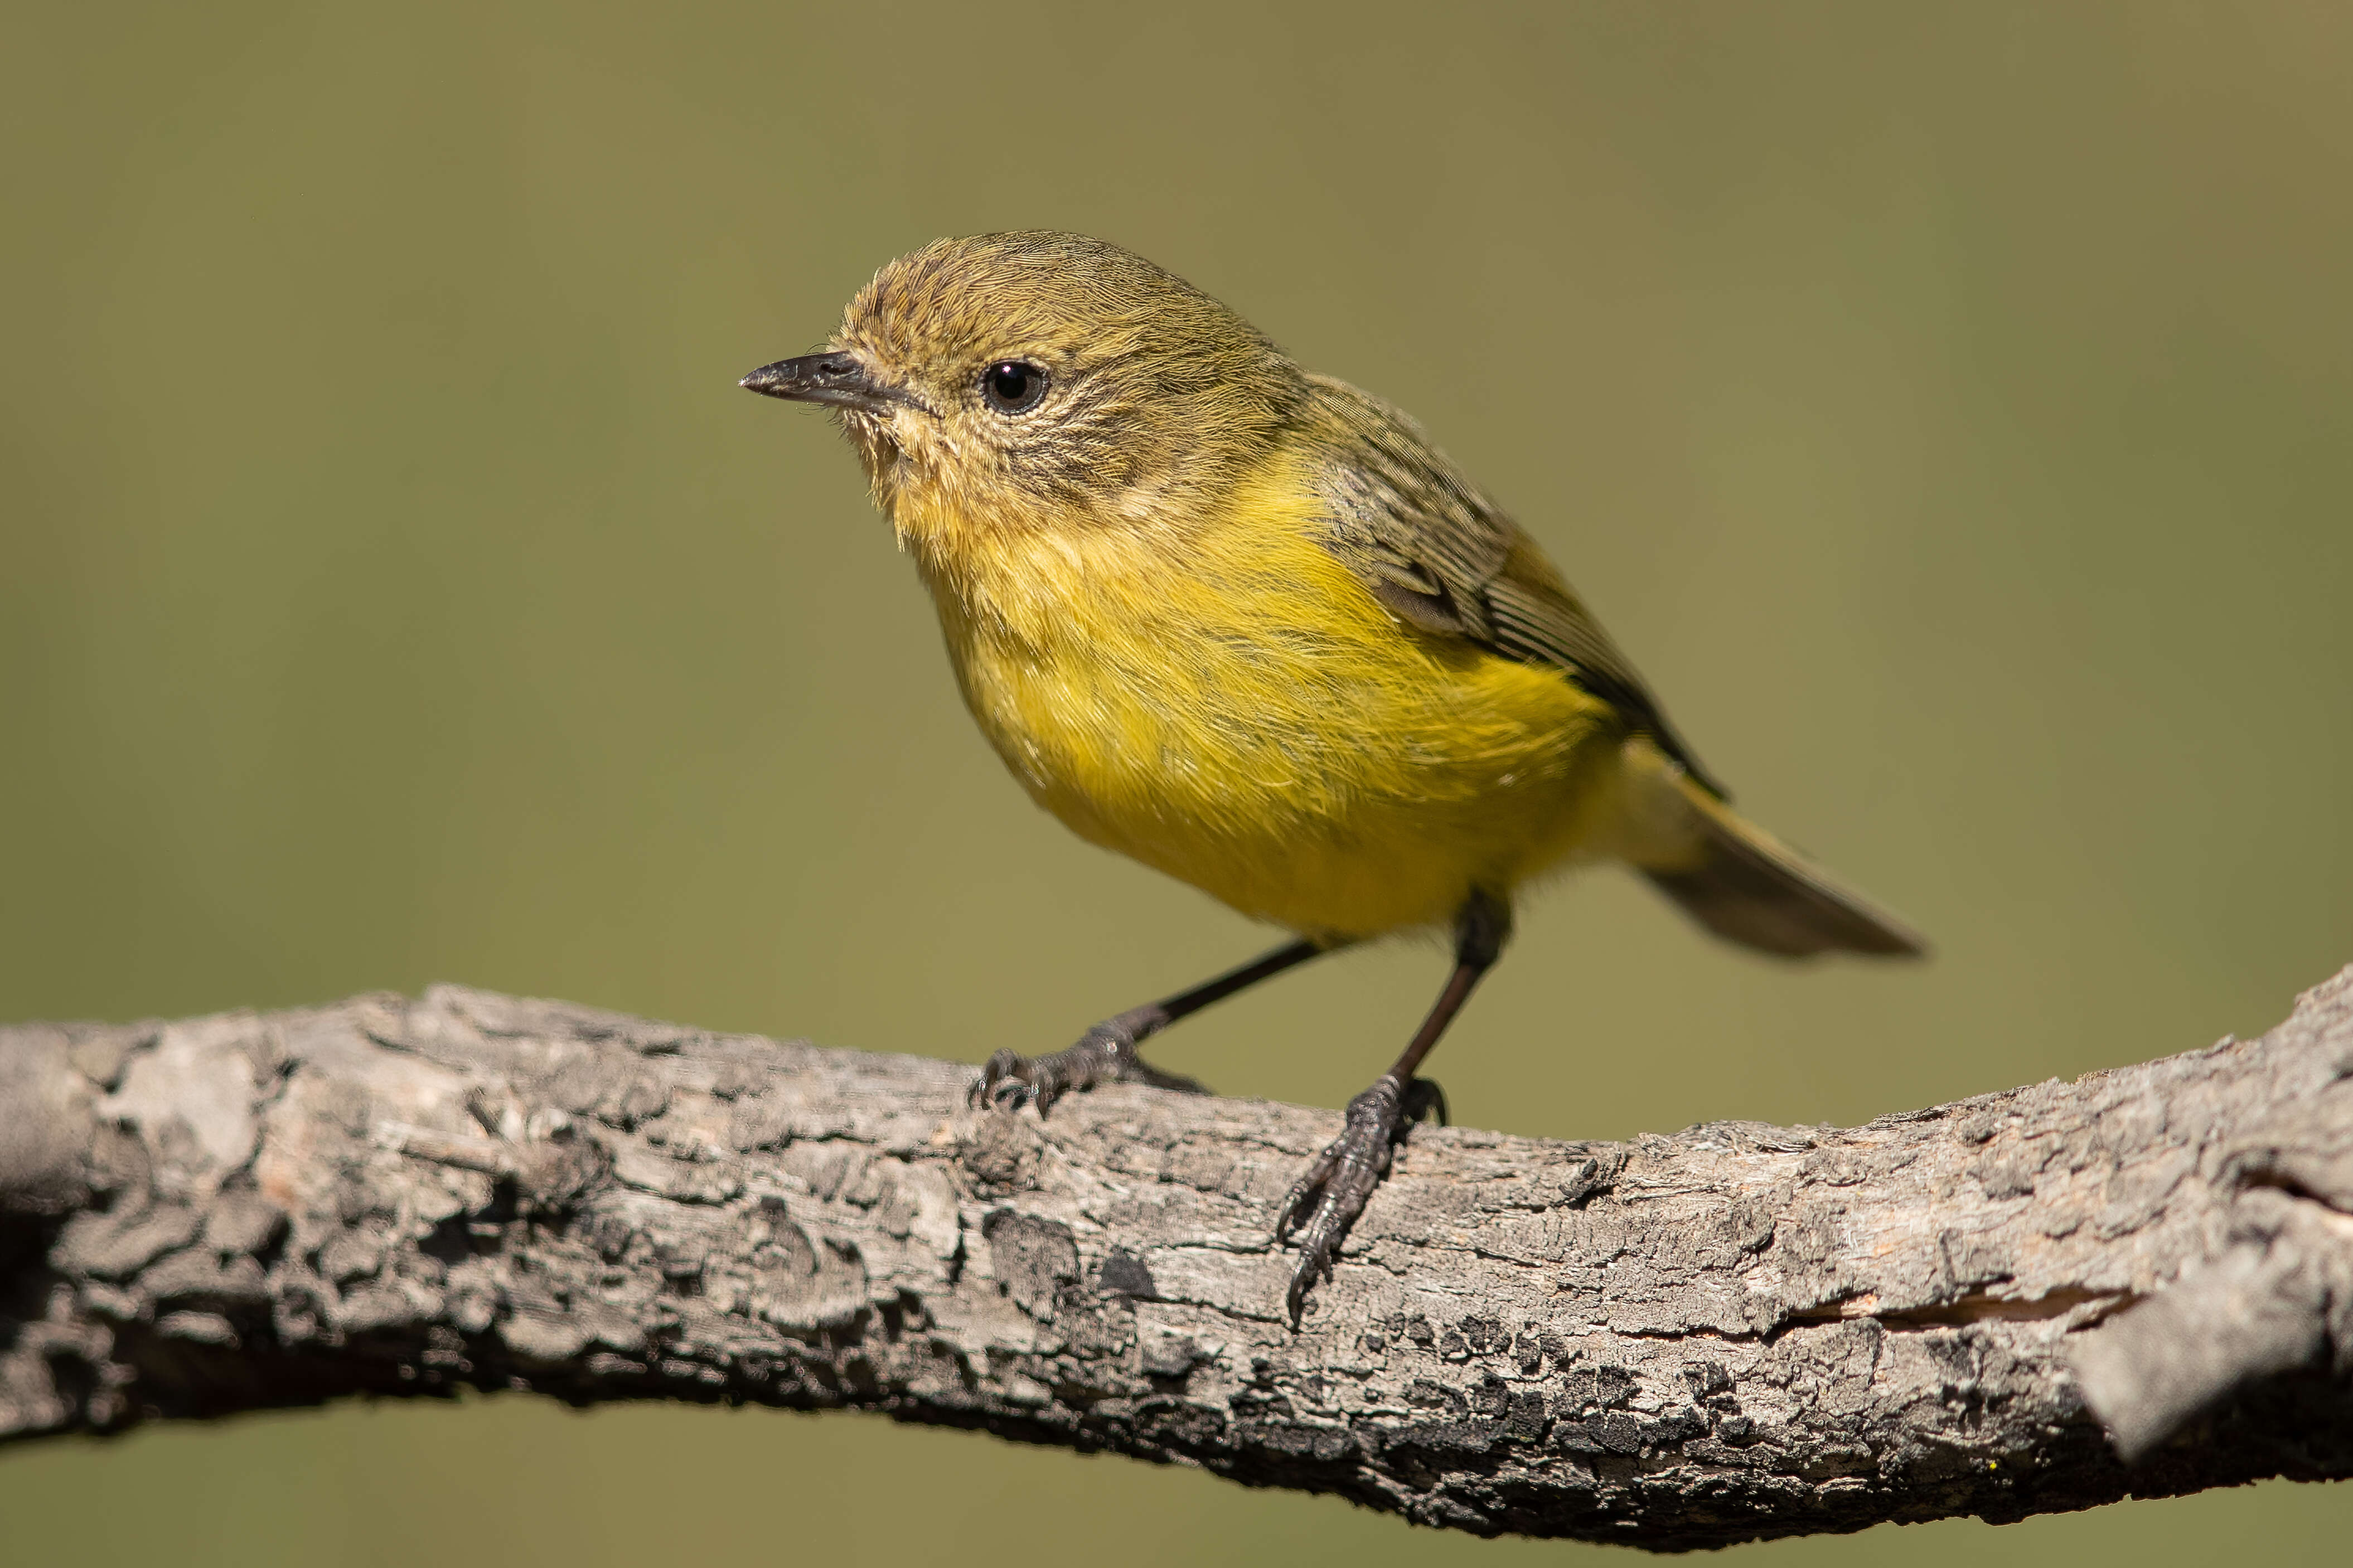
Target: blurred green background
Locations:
point(1947, 407)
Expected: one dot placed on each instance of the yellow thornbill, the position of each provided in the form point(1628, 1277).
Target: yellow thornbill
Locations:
point(1246, 625)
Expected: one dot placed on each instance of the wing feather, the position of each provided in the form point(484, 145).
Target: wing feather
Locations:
point(1442, 557)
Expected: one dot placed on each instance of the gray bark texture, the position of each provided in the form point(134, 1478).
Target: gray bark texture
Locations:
point(2141, 1282)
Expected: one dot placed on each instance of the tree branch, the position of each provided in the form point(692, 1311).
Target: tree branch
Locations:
point(1741, 1330)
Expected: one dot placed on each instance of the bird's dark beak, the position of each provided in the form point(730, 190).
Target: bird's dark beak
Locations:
point(837, 378)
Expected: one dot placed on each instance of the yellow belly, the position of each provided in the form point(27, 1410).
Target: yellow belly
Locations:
point(1244, 716)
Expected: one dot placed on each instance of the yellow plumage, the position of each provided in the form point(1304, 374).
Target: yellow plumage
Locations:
point(1343, 776)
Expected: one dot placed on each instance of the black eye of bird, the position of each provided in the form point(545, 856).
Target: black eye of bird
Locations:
point(1013, 386)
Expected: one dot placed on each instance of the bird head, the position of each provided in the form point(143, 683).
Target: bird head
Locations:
point(1042, 382)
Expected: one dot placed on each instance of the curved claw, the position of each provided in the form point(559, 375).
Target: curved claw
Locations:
point(1003, 1081)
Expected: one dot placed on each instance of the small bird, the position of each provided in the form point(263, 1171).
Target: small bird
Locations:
point(1249, 627)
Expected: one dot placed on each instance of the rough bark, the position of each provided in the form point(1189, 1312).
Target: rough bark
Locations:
point(1740, 1330)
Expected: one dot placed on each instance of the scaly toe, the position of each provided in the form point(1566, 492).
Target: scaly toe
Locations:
point(1328, 1199)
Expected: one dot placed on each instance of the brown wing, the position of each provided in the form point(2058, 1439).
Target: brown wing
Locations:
point(1442, 557)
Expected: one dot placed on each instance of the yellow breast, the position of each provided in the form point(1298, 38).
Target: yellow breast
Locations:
point(1228, 704)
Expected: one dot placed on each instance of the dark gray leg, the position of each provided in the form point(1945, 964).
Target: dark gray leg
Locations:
point(1326, 1201)
point(1107, 1053)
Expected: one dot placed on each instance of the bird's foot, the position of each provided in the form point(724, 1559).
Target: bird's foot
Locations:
point(1326, 1201)
point(1104, 1054)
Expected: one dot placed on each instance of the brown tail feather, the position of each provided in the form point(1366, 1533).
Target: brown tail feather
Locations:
point(1752, 889)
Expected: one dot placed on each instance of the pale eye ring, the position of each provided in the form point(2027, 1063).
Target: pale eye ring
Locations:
point(1013, 385)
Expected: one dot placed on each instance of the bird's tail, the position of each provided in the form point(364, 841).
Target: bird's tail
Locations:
point(1749, 887)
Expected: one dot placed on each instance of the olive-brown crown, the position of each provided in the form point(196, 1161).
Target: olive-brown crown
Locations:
point(1048, 379)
